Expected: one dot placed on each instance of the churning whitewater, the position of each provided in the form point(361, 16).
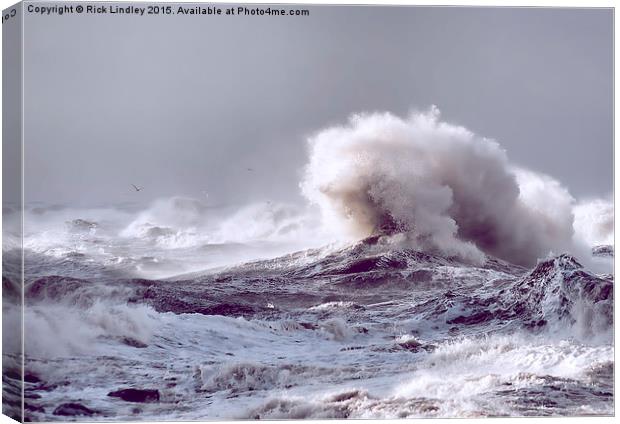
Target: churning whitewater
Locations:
point(424, 275)
point(440, 184)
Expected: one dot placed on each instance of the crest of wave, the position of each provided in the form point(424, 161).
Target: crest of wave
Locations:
point(171, 222)
point(440, 184)
point(185, 222)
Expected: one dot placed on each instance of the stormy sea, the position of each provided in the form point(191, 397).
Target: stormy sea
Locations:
point(422, 275)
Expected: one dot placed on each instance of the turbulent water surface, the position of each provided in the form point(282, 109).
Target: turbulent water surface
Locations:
point(369, 329)
point(415, 280)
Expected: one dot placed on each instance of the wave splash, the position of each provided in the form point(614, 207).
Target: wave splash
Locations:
point(444, 186)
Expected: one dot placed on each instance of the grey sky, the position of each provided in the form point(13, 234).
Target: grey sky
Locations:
point(185, 104)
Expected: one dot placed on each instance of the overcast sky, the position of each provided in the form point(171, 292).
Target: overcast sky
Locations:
point(182, 105)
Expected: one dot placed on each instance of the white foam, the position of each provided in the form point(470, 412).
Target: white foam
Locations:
point(58, 330)
point(594, 221)
point(442, 184)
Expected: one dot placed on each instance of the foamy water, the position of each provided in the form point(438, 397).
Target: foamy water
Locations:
point(408, 288)
point(371, 329)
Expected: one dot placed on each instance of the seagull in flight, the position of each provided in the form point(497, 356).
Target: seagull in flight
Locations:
point(137, 188)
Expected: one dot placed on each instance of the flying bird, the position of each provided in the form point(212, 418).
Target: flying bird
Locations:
point(137, 188)
point(250, 169)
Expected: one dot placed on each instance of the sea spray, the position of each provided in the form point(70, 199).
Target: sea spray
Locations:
point(443, 185)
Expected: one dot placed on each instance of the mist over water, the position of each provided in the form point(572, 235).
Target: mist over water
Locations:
point(419, 247)
point(438, 186)
point(427, 184)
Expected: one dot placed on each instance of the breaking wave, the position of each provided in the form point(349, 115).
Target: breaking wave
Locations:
point(185, 222)
point(444, 186)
